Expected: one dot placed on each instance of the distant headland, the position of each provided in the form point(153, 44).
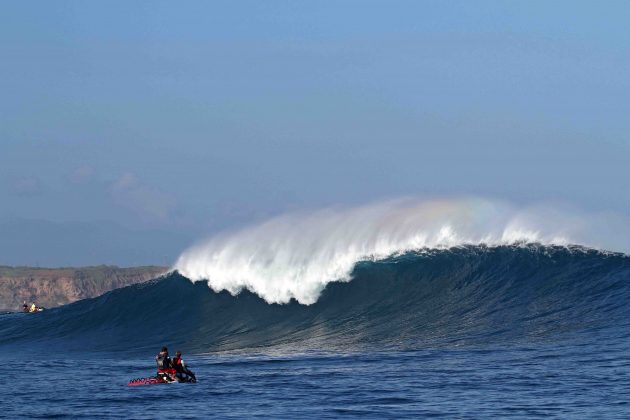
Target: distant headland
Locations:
point(50, 287)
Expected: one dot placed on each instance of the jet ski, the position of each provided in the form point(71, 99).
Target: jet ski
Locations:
point(147, 381)
point(160, 379)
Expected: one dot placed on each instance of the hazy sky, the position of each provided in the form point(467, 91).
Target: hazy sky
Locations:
point(192, 116)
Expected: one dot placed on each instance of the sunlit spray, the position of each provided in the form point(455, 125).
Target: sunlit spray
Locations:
point(295, 256)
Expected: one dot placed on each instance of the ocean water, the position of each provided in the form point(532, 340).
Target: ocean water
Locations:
point(524, 331)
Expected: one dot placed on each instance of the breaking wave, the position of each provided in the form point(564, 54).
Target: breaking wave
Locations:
point(467, 295)
point(295, 256)
point(452, 272)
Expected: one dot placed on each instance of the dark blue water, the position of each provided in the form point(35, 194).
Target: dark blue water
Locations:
point(471, 332)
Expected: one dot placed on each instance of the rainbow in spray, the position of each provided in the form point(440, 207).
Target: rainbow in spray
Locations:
point(295, 256)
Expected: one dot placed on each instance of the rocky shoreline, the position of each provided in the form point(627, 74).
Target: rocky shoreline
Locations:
point(50, 287)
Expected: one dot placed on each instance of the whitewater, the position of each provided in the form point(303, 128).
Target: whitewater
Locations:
point(295, 256)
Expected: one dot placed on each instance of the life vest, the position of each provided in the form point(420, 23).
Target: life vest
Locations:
point(177, 364)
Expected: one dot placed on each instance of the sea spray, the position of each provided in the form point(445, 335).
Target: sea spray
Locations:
point(295, 256)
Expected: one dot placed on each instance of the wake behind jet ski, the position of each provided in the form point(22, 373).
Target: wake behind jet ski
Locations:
point(168, 371)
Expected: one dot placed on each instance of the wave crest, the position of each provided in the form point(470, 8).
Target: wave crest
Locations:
point(296, 255)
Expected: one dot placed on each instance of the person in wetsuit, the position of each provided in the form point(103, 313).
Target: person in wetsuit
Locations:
point(183, 373)
point(165, 369)
point(25, 307)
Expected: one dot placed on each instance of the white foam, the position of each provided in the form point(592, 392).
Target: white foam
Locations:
point(296, 255)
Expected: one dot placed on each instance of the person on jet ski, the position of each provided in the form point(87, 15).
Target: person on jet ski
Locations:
point(25, 307)
point(165, 369)
point(183, 373)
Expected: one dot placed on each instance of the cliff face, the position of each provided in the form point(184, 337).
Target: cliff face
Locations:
point(50, 287)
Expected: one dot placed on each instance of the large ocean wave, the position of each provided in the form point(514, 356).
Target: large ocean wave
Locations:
point(295, 256)
point(458, 296)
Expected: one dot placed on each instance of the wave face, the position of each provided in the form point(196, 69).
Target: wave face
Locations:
point(295, 256)
point(469, 295)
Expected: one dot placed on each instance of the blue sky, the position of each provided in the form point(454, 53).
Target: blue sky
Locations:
point(189, 117)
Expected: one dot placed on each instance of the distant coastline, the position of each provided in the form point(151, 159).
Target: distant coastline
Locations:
point(51, 287)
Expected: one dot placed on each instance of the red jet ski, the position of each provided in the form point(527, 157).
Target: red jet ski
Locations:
point(153, 380)
point(147, 381)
